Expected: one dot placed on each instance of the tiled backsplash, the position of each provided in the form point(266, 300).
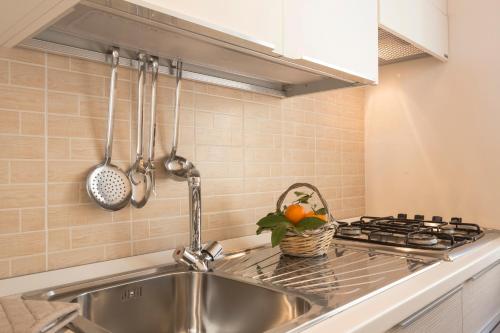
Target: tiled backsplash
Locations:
point(248, 148)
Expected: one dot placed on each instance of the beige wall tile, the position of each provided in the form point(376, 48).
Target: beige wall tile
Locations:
point(9, 221)
point(62, 103)
point(75, 82)
point(69, 171)
point(153, 245)
point(15, 245)
point(24, 55)
point(140, 230)
point(59, 240)
point(83, 127)
point(63, 194)
point(18, 98)
point(76, 215)
point(116, 251)
point(28, 265)
point(18, 196)
point(169, 226)
point(58, 148)
point(100, 234)
point(4, 269)
point(57, 61)
point(27, 75)
point(4, 172)
point(4, 71)
point(93, 150)
point(27, 171)
point(25, 147)
point(98, 107)
point(158, 208)
point(219, 104)
point(32, 219)
point(32, 123)
point(10, 123)
point(88, 67)
point(75, 257)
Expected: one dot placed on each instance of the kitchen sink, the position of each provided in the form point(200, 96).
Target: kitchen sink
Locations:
point(181, 302)
point(255, 290)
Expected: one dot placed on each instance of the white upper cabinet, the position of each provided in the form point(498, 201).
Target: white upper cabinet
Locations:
point(423, 23)
point(258, 22)
point(20, 19)
point(336, 36)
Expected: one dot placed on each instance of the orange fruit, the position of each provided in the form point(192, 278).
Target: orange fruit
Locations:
point(309, 214)
point(295, 213)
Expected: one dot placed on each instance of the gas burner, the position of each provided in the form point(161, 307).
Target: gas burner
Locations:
point(350, 231)
point(422, 239)
point(415, 234)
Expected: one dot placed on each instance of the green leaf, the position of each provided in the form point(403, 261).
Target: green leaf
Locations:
point(270, 221)
point(321, 211)
point(278, 233)
point(259, 230)
point(309, 223)
point(297, 193)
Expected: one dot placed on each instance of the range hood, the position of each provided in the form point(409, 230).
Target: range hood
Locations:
point(392, 49)
point(92, 27)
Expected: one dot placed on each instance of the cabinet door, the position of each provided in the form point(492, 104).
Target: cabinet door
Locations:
point(21, 19)
point(258, 21)
point(335, 36)
point(442, 315)
point(423, 23)
point(482, 300)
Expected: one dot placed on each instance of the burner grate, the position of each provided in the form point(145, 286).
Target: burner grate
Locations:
point(418, 233)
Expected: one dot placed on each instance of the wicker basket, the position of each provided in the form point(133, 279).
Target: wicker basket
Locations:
point(311, 243)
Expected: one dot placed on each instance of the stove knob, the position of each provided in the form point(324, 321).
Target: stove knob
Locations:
point(419, 217)
point(402, 216)
point(437, 219)
point(456, 220)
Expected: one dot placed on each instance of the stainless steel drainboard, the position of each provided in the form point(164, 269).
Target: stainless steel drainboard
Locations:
point(341, 276)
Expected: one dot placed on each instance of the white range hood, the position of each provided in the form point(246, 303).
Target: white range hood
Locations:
point(92, 27)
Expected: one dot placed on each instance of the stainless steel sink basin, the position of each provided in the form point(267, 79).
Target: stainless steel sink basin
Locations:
point(185, 302)
point(256, 290)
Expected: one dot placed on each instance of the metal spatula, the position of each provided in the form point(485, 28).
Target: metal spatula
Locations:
point(107, 184)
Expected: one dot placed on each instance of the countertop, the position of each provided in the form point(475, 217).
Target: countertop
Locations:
point(376, 314)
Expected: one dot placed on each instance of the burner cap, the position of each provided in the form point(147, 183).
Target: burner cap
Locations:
point(350, 231)
point(422, 239)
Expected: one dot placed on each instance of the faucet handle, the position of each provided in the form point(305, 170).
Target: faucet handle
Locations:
point(213, 249)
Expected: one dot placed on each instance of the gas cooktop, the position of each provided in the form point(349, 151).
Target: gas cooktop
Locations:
point(417, 235)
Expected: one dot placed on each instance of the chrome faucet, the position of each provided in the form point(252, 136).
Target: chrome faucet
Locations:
point(195, 256)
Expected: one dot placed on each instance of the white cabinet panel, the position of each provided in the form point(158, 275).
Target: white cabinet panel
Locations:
point(21, 19)
point(334, 36)
point(420, 22)
point(259, 21)
point(444, 315)
point(482, 300)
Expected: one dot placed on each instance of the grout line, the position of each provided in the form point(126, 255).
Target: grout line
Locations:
point(46, 163)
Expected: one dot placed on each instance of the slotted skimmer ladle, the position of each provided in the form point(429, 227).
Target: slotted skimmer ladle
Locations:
point(107, 184)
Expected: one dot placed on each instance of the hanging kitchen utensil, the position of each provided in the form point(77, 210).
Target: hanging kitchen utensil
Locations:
point(150, 169)
point(107, 184)
point(177, 166)
point(137, 173)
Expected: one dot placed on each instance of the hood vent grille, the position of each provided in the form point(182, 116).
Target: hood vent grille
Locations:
point(392, 49)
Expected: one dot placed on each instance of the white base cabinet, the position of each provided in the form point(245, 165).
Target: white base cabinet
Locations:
point(442, 315)
point(481, 300)
point(473, 307)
